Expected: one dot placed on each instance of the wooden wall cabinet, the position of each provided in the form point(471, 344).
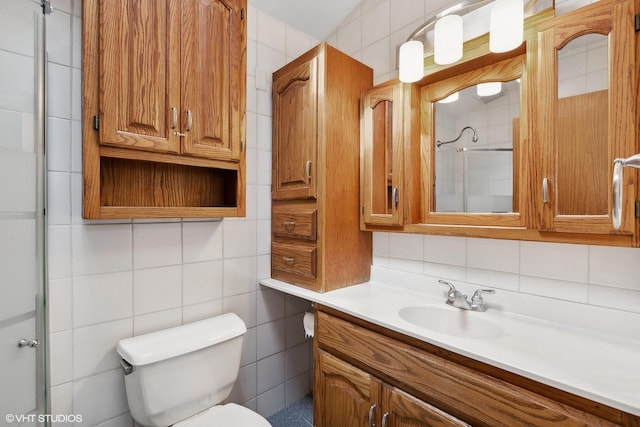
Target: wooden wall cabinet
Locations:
point(366, 375)
point(316, 237)
point(390, 138)
point(587, 117)
point(578, 111)
point(164, 108)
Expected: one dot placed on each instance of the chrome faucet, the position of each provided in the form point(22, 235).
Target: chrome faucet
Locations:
point(457, 299)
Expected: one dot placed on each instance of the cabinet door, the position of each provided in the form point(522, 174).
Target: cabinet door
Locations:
point(295, 134)
point(403, 410)
point(213, 77)
point(345, 396)
point(139, 89)
point(587, 85)
point(381, 120)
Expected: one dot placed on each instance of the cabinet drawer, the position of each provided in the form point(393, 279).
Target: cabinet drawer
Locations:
point(299, 260)
point(299, 224)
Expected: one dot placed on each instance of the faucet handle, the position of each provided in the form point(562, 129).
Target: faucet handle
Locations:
point(449, 284)
point(477, 300)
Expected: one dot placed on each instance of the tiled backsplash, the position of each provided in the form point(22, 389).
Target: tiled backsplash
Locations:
point(113, 279)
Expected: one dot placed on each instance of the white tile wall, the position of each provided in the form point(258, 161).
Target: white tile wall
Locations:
point(113, 279)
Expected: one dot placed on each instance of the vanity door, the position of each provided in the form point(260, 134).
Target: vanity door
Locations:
point(586, 114)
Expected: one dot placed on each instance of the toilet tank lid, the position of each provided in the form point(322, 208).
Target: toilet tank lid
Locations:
point(161, 345)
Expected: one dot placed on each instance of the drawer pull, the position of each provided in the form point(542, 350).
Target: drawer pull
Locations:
point(289, 224)
point(288, 260)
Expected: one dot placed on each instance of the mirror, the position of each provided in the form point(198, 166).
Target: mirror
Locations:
point(475, 130)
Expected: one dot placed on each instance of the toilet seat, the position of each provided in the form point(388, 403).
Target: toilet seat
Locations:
point(230, 414)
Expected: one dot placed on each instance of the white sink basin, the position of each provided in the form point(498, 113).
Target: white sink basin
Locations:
point(451, 321)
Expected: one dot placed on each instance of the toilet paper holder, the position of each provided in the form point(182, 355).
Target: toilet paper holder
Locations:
point(308, 322)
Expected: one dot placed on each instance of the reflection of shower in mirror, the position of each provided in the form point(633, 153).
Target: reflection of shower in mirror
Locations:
point(474, 138)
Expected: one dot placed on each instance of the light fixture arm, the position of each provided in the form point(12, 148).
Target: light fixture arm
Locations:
point(462, 7)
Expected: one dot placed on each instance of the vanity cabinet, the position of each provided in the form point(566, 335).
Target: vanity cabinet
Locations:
point(164, 108)
point(587, 117)
point(390, 138)
point(316, 238)
point(353, 397)
point(363, 369)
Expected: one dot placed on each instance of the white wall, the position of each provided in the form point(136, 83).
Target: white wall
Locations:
point(113, 279)
point(603, 276)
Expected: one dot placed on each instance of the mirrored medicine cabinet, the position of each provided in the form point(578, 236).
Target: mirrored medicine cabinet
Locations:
point(473, 134)
point(515, 146)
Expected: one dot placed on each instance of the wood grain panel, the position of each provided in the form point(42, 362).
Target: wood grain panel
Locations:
point(295, 259)
point(149, 184)
point(297, 223)
point(407, 411)
point(582, 185)
point(213, 74)
point(347, 392)
point(295, 132)
point(139, 81)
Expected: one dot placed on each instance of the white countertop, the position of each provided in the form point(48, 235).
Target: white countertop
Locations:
point(590, 351)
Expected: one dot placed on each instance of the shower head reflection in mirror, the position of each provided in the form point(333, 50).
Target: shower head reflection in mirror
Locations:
point(474, 138)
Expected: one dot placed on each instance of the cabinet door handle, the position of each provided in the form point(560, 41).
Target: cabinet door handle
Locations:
point(189, 120)
point(395, 196)
point(307, 169)
point(174, 117)
point(372, 411)
point(288, 259)
point(545, 190)
point(616, 206)
point(384, 419)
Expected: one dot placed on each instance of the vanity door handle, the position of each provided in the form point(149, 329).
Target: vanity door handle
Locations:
point(395, 196)
point(174, 117)
point(372, 411)
point(384, 419)
point(307, 169)
point(545, 190)
point(189, 120)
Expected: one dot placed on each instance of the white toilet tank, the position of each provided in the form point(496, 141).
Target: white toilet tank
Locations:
point(178, 372)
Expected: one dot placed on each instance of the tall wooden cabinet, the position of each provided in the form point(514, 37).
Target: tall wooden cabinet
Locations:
point(316, 237)
point(164, 108)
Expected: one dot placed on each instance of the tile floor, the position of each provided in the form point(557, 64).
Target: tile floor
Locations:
point(298, 414)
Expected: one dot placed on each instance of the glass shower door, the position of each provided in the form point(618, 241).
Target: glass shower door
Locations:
point(21, 212)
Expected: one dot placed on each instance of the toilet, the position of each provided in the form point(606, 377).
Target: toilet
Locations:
point(180, 376)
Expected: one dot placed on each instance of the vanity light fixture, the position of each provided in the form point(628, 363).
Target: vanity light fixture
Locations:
point(505, 33)
point(448, 40)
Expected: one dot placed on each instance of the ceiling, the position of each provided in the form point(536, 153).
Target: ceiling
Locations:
point(318, 18)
